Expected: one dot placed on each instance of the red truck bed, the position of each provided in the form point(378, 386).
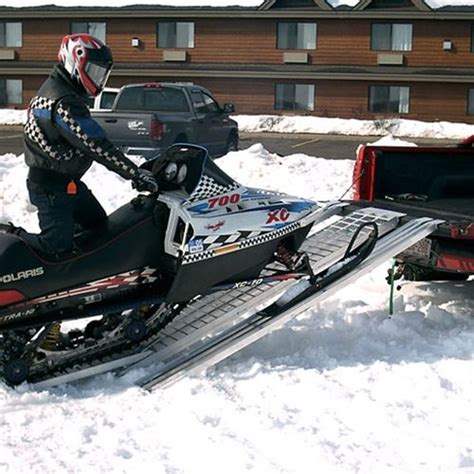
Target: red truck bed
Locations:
point(425, 181)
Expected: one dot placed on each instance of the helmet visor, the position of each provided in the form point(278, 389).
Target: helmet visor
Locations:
point(98, 74)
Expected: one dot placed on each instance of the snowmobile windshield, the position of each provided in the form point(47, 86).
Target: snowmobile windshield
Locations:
point(198, 165)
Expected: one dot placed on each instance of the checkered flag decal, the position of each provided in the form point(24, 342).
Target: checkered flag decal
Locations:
point(253, 239)
point(211, 242)
point(114, 160)
point(270, 235)
point(34, 133)
point(208, 188)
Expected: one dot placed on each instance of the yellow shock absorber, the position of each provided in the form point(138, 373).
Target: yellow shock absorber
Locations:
point(145, 310)
point(51, 340)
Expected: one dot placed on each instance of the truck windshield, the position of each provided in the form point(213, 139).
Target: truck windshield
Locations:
point(153, 99)
point(107, 99)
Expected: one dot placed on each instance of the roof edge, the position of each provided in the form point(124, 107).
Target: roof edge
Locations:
point(419, 4)
point(322, 4)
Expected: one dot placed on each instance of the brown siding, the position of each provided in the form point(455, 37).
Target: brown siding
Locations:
point(428, 44)
point(344, 99)
point(30, 85)
point(434, 102)
point(41, 39)
point(254, 42)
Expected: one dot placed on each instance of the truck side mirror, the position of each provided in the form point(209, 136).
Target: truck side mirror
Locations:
point(228, 108)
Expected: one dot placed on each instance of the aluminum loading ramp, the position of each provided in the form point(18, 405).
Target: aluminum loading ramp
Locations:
point(210, 331)
point(214, 327)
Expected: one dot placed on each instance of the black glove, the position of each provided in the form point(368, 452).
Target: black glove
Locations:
point(145, 181)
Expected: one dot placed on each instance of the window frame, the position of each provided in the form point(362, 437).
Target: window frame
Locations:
point(399, 101)
point(191, 40)
point(147, 94)
point(7, 102)
point(297, 23)
point(5, 23)
point(472, 37)
point(211, 104)
point(294, 86)
point(88, 22)
point(470, 101)
point(391, 25)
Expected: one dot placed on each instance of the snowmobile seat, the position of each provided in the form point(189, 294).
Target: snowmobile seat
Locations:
point(127, 218)
point(10, 245)
point(123, 224)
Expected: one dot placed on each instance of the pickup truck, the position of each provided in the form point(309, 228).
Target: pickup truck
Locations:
point(435, 182)
point(104, 100)
point(145, 119)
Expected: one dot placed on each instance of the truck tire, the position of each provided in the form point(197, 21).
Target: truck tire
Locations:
point(232, 143)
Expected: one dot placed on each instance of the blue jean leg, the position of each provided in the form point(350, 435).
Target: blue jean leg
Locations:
point(56, 220)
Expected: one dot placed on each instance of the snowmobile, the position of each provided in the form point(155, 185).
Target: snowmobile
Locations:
point(183, 277)
point(201, 233)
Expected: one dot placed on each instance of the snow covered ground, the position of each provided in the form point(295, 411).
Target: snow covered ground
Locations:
point(336, 126)
point(342, 389)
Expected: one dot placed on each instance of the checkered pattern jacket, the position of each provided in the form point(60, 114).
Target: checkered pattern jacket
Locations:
point(60, 134)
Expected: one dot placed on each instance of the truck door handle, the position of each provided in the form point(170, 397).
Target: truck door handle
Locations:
point(110, 120)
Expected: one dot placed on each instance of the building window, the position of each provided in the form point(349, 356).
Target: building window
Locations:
point(472, 38)
point(94, 28)
point(296, 35)
point(470, 102)
point(392, 37)
point(11, 34)
point(11, 91)
point(294, 97)
point(391, 99)
point(175, 34)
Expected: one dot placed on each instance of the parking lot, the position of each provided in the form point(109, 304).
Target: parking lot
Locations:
point(327, 146)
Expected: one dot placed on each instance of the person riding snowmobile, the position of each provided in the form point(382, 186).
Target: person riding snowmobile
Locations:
point(61, 142)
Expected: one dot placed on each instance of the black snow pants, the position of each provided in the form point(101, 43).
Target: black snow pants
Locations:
point(62, 208)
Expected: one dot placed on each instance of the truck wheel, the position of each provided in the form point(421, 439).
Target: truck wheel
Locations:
point(232, 143)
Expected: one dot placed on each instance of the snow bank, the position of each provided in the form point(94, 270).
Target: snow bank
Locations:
point(321, 125)
point(308, 177)
point(12, 117)
point(336, 126)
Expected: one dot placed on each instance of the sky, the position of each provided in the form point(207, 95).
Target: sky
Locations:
point(185, 3)
point(342, 389)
